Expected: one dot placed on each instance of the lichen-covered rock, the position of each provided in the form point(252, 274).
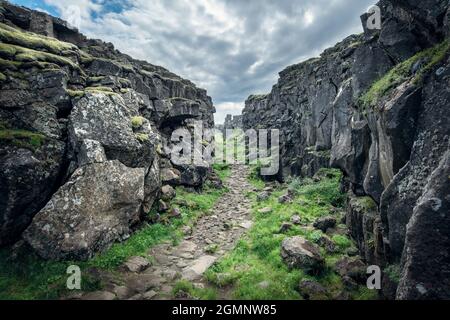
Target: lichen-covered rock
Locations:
point(299, 253)
point(104, 201)
point(106, 118)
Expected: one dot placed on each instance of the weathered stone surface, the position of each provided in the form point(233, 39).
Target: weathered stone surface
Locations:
point(353, 268)
point(104, 201)
point(198, 267)
point(426, 261)
point(27, 180)
point(364, 223)
point(108, 120)
point(137, 264)
point(296, 220)
point(312, 290)
point(325, 223)
point(299, 253)
point(265, 210)
point(168, 193)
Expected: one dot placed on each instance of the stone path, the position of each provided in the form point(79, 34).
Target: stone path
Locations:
point(213, 236)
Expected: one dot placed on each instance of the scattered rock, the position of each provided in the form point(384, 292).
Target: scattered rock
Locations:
point(353, 268)
point(285, 227)
point(312, 290)
point(266, 210)
point(296, 220)
point(163, 206)
point(168, 193)
point(246, 224)
point(285, 199)
point(187, 230)
point(170, 175)
point(122, 292)
point(137, 264)
point(149, 295)
point(263, 196)
point(349, 283)
point(175, 213)
point(198, 267)
point(299, 253)
point(325, 223)
point(327, 243)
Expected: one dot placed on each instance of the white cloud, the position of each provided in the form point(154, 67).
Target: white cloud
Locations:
point(232, 48)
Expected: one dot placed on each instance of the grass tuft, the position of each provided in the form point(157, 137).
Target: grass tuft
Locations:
point(22, 138)
point(402, 72)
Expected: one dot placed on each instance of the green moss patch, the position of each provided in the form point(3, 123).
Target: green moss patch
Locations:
point(22, 138)
point(137, 122)
point(403, 72)
point(33, 41)
point(24, 55)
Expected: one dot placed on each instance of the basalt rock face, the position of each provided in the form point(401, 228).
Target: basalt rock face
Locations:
point(85, 136)
point(376, 106)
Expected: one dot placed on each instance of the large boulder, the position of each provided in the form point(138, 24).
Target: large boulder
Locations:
point(299, 253)
point(107, 119)
point(97, 206)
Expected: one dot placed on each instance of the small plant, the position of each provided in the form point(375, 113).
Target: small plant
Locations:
point(393, 271)
point(212, 249)
point(342, 242)
point(137, 122)
point(142, 137)
point(185, 289)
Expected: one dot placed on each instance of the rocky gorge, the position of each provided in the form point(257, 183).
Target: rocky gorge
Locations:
point(84, 136)
point(376, 107)
point(87, 177)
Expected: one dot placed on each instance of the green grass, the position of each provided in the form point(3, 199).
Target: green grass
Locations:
point(222, 170)
point(402, 72)
point(2, 77)
point(254, 270)
point(29, 278)
point(185, 289)
point(22, 138)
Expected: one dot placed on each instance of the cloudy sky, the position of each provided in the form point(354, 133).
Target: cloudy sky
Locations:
point(232, 48)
